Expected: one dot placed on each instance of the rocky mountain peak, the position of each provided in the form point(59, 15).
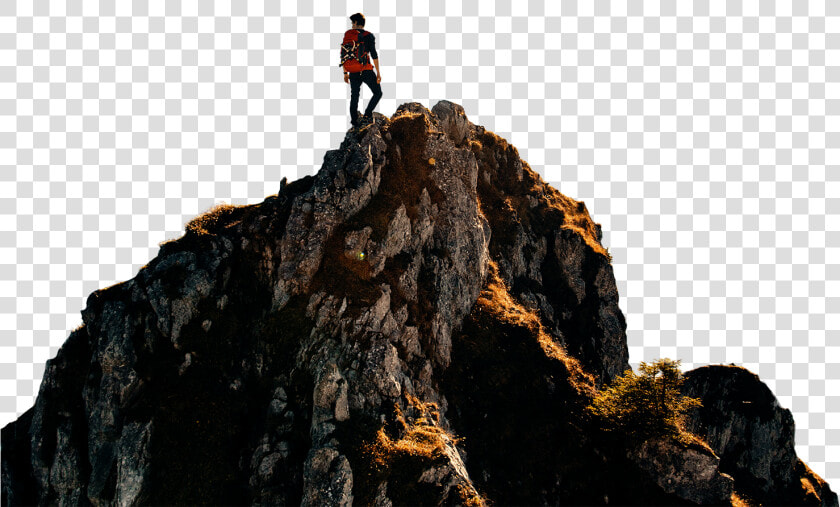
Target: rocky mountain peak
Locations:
point(422, 321)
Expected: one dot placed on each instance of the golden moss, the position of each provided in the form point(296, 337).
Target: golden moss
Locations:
point(812, 485)
point(412, 445)
point(423, 443)
point(496, 300)
point(811, 475)
point(575, 214)
point(739, 501)
point(421, 438)
point(808, 489)
point(522, 193)
point(468, 496)
point(209, 221)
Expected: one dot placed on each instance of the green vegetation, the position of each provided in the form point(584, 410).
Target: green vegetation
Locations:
point(646, 405)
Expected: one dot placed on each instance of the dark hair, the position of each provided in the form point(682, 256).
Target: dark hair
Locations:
point(358, 18)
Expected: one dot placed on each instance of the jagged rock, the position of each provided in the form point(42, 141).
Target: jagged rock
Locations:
point(422, 322)
point(452, 120)
point(691, 473)
point(754, 437)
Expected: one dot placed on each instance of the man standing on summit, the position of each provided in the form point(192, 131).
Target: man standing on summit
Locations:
point(356, 49)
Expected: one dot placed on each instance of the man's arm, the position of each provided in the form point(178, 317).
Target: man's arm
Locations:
point(372, 48)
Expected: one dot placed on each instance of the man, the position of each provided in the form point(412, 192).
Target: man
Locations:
point(365, 73)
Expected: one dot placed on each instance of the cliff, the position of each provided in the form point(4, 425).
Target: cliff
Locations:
point(424, 321)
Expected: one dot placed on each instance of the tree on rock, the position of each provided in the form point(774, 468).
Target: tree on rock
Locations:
point(645, 405)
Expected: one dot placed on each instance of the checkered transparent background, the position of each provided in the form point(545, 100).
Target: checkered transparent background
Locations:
point(704, 138)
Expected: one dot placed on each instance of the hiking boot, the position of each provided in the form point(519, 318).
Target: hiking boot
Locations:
point(356, 120)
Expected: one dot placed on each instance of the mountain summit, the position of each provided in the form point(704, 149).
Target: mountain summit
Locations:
point(424, 321)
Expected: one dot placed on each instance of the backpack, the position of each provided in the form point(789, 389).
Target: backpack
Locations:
point(354, 54)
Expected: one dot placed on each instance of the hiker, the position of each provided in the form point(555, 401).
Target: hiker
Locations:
point(356, 48)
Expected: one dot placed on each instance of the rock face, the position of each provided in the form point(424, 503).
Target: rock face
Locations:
point(422, 322)
point(692, 473)
point(744, 424)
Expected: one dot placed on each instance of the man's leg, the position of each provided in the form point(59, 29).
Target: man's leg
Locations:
point(355, 88)
point(369, 77)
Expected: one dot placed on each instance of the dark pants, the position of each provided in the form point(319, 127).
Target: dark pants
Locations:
point(356, 79)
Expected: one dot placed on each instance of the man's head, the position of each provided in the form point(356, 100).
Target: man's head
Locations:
point(358, 20)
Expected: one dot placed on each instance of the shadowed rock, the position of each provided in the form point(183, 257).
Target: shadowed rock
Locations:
point(423, 321)
point(744, 424)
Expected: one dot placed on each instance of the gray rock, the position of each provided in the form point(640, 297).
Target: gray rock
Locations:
point(689, 473)
point(133, 465)
point(452, 120)
point(743, 422)
point(334, 344)
point(328, 479)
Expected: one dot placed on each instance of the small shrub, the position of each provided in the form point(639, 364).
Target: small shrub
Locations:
point(646, 405)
